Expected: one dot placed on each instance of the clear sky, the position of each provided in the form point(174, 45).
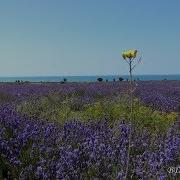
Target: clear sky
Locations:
point(86, 37)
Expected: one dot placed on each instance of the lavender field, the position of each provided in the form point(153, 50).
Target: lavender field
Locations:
point(80, 130)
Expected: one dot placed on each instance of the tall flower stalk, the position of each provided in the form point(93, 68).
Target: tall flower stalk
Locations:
point(129, 56)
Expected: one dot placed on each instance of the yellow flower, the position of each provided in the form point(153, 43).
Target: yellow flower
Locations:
point(129, 54)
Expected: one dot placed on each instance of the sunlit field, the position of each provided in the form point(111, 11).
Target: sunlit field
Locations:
point(80, 130)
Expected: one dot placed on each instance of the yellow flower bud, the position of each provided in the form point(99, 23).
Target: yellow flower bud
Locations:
point(129, 54)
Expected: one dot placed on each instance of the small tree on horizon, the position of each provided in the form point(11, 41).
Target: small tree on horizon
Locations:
point(65, 80)
point(100, 79)
point(121, 79)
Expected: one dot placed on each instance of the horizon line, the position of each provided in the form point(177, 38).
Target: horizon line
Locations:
point(14, 76)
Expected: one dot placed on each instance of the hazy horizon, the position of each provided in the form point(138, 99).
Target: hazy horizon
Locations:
point(76, 38)
point(92, 75)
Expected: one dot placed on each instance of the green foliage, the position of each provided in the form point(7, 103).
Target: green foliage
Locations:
point(95, 111)
point(50, 107)
point(54, 107)
point(5, 97)
point(154, 121)
point(4, 167)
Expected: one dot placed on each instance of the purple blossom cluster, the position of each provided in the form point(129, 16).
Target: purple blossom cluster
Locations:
point(161, 95)
point(36, 149)
point(64, 89)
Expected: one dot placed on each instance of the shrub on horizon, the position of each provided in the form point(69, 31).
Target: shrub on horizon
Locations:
point(100, 79)
point(121, 79)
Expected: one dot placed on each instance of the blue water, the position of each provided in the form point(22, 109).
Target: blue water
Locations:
point(88, 78)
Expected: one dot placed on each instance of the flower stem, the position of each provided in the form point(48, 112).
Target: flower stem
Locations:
point(131, 118)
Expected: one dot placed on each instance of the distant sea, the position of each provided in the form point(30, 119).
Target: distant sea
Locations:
point(88, 78)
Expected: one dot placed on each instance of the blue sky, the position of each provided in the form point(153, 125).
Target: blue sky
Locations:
point(86, 37)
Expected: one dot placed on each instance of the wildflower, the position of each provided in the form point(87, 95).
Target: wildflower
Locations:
point(129, 54)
